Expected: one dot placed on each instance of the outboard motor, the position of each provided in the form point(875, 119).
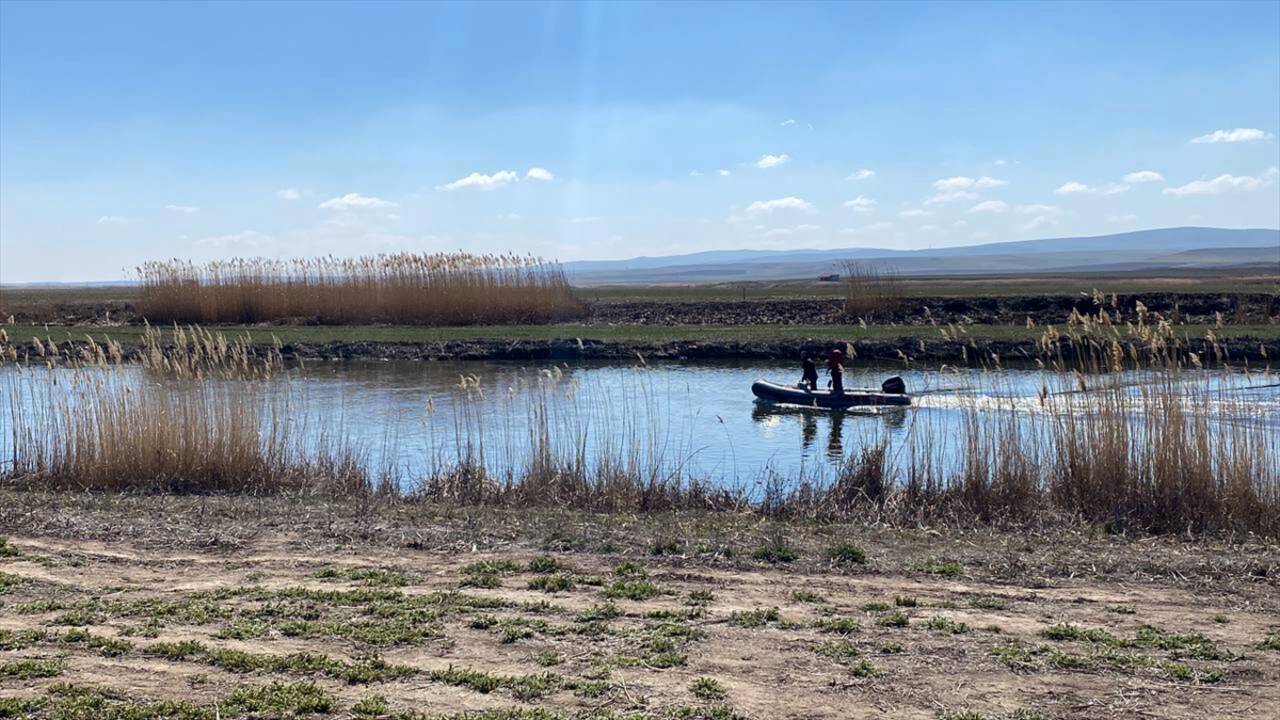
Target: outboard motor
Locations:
point(894, 386)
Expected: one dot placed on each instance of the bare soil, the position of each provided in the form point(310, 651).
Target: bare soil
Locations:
point(575, 615)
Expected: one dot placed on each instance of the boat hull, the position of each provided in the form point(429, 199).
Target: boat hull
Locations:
point(792, 395)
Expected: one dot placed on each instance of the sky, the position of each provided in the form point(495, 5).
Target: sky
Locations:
point(131, 132)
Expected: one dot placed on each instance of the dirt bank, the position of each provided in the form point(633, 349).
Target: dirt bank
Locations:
point(1188, 308)
point(235, 608)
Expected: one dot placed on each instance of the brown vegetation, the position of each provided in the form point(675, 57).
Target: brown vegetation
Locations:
point(407, 289)
point(869, 291)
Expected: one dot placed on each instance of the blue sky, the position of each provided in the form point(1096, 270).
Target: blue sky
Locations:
point(137, 131)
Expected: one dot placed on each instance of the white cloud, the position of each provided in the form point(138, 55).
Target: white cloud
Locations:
point(723, 173)
point(1037, 209)
point(786, 203)
point(768, 161)
point(946, 197)
point(1073, 188)
point(1216, 186)
point(861, 174)
point(480, 181)
point(509, 216)
point(1040, 221)
point(288, 194)
point(537, 173)
point(1142, 176)
point(788, 122)
point(995, 206)
point(1232, 136)
point(182, 208)
point(694, 173)
point(1002, 161)
point(1271, 172)
point(960, 223)
point(880, 226)
point(1122, 218)
point(244, 239)
point(861, 204)
point(584, 220)
point(807, 228)
point(356, 201)
point(929, 228)
point(967, 183)
point(777, 232)
point(1079, 188)
point(914, 212)
point(112, 220)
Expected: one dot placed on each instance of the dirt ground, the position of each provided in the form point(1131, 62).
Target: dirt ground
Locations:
point(202, 608)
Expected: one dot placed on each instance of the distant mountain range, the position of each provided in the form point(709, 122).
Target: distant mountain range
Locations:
point(1166, 248)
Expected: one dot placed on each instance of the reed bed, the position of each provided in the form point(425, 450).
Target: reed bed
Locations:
point(406, 288)
point(869, 291)
point(186, 419)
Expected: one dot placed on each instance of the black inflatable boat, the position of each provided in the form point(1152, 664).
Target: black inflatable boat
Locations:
point(892, 392)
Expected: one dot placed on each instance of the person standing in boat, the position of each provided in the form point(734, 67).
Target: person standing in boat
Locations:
point(809, 373)
point(835, 366)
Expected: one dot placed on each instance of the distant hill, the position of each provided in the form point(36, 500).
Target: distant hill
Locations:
point(1182, 248)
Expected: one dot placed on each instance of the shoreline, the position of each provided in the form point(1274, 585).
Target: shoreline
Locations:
point(904, 350)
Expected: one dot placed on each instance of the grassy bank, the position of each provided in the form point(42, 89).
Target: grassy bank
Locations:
point(294, 606)
point(133, 334)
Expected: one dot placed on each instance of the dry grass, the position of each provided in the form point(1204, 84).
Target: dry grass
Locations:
point(869, 291)
point(408, 289)
point(187, 419)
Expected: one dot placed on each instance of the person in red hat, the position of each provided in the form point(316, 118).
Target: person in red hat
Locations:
point(835, 366)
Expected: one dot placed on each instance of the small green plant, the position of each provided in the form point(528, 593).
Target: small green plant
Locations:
point(758, 617)
point(30, 669)
point(548, 658)
point(1221, 619)
point(1122, 609)
point(705, 688)
point(847, 554)
point(632, 590)
point(544, 564)
point(552, 583)
point(937, 567)
point(906, 601)
point(987, 602)
point(877, 606)
point(1270, 642)
point(806, 596)
point(630, 570)
point(700, 597)
point(665, 546)
point(897, 619)
point(863, 669)
point(840, 626)
point(776, 553)
point(947, 625)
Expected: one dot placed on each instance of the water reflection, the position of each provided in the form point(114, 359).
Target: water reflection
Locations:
point(867, 420)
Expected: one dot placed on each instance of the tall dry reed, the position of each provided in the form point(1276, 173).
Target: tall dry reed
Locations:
point(869, 291)
point(411, 289)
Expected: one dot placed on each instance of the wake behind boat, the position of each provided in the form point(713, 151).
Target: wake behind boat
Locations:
point(891, 392)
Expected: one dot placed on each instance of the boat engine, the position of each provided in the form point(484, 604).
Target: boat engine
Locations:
point(894, 386)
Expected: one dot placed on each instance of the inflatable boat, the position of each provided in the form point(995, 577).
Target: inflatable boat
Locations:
point(892, 392)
